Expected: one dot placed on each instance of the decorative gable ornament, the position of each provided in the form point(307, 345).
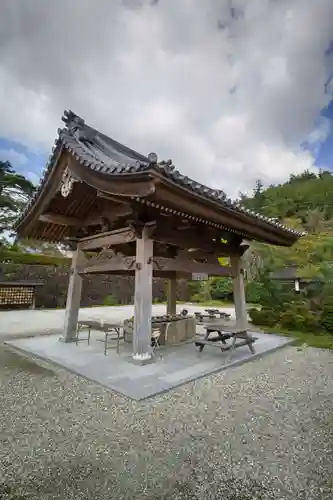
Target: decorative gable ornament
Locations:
point(67, 183)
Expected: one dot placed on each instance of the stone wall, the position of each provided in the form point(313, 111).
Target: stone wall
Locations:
point(94, 291)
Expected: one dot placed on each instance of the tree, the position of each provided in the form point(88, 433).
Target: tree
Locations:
point(15, 192)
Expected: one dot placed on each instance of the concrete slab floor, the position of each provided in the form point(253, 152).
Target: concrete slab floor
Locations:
point(173, 366)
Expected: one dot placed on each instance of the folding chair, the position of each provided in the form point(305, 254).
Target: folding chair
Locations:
point(155, 337)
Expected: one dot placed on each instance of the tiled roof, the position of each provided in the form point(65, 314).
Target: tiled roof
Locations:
point(102, 154)
point(287, 273)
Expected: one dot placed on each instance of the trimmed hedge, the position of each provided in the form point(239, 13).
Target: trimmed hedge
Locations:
point(96, 289)
point(263, 317)
point(11, 256)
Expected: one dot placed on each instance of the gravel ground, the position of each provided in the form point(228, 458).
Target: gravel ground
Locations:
point(263, 430)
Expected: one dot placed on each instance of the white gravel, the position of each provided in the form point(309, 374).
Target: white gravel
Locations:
point(263, 430)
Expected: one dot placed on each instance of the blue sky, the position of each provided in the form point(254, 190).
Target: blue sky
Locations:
point(25, 161)
point(324, 158)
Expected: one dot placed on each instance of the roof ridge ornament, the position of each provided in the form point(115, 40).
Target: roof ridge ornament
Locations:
point(72, 120)
point(152, 157)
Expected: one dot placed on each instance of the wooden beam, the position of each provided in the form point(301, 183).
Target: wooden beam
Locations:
point(161, 265)
point(112, 265)
point(188, 239)
point(111, 213)
point(60, 220)
point(187, 266)
point(114, 199)
point(107, 239)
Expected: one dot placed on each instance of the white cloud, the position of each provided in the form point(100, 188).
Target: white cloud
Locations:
point(228, 95)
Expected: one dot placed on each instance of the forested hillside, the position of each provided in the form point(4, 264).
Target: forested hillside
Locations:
point(297, 197)
point(305, 202)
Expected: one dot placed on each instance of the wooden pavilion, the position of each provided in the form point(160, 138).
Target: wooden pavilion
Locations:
point(125, 213)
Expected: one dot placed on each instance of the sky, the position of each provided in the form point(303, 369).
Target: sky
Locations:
point(230, 90)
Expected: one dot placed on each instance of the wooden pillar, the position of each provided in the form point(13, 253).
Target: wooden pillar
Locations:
point(143, 296)
point(73, 297)
point(172, 296)
point(239, 291)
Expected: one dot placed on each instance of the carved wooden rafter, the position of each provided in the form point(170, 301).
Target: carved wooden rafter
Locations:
point(109, 258)
point(107, 239)
point(107, 261)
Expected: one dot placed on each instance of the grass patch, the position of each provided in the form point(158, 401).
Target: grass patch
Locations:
point(209, 303)
point(17, 362)
point(321, 340)
point(214, 303)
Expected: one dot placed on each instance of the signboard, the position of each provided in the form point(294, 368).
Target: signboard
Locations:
point(199, 277)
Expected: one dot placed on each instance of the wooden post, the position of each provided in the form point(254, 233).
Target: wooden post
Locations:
point(172, 296)
point(142, 351)
point(73, 297)
point(239, 291)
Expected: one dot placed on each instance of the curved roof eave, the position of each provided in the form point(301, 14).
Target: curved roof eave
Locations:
point(104, 158)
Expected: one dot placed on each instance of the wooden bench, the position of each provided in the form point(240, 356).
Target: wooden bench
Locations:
point(200, 316)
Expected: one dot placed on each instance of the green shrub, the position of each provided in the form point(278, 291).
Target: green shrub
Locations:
point(110, 300)
point(291, 320)
point(327, 314)
point(196, 298)
point(263, 317)
point(194, 287)
point(253, 291)
point(159, 300)
point(221, 289)
point(298, 316)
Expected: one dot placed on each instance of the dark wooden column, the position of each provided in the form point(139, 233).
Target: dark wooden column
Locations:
point(239, 291)
point(172, 295)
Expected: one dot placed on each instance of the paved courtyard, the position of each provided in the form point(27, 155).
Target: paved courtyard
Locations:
point(173, 366)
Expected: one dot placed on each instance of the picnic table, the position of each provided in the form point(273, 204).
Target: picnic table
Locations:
point(111, 332)
point(216, 312)
point(210, 314)
point(225, 332)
